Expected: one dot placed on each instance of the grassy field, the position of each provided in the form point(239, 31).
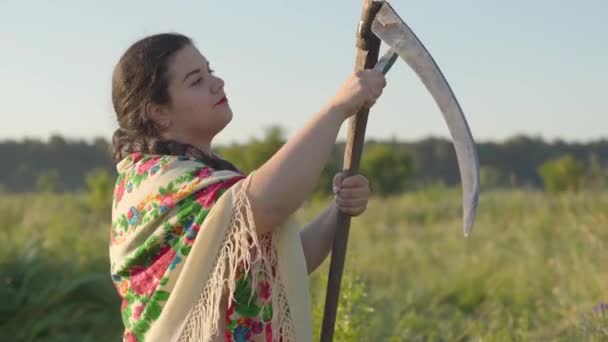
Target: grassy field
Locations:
point(534, 269)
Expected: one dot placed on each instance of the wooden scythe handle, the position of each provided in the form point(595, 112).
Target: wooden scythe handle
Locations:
point(368, 47)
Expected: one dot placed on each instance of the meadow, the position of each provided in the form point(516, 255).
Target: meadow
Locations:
point(534, 269)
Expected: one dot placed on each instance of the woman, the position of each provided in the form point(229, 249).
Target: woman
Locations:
point(199, 251)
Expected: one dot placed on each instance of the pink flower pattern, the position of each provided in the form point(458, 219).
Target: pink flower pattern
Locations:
point(144, 280)
point(207, 197)
point(147, 165)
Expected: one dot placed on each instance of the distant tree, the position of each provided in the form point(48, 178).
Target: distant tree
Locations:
point(596, 177)
point(388, 169)
point(48, 181)
point(561, 174)
point(252, 155)
point(100, 186)
point(57, 141)
point(489, 177)
point(259, 151)
point(518, 160)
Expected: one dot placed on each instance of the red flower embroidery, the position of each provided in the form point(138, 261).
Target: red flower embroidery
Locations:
point(129, 337)
point(138, 310)
point(145, 280)
point(167, 202)
point(257, 327)
point(204, 172)
point(268, 333)
point(147, 165)
point(207, 196)
point(135, 157)
point(264, 288)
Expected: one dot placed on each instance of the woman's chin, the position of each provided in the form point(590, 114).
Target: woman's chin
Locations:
point(226, 119)
point(229, 115)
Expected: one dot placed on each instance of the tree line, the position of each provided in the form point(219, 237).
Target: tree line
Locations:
point(60, 164)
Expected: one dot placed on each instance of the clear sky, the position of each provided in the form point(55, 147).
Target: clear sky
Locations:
point(517, 67)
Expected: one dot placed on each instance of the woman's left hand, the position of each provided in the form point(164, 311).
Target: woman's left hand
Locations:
point(352, 194)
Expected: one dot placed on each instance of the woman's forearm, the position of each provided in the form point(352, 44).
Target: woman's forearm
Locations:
point(286, 180)
point(317, 237)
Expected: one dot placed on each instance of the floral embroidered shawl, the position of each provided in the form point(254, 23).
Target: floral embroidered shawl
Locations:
point(180, 233)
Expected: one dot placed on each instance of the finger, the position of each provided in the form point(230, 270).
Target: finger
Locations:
point(378, 78)
point(352, 213)
point(378, 85)
point(376, 74)
point(352, 207)
point(351, 200)
point(355, 181)
point(354, 203)
point(354, 193)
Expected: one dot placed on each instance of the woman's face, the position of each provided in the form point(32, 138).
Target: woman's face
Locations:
point(198, 109)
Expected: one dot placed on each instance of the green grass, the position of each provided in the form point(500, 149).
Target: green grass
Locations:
point(533, 269)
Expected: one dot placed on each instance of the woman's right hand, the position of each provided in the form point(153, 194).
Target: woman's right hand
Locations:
point(361, 89)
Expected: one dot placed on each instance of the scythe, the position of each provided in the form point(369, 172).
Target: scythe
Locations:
point(379, 22)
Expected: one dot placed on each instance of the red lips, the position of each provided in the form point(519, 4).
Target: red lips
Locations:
point(222, 101)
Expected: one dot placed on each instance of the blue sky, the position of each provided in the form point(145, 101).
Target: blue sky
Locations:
point(517, 67)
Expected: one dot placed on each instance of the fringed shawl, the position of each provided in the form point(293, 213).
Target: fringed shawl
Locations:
point(180, 230)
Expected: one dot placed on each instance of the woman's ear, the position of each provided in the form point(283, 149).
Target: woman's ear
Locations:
point(159, 114)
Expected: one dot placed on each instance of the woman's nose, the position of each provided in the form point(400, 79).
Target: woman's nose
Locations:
point(218, 85)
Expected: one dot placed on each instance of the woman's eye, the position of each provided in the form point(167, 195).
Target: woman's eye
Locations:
point(197, 82)
point(211, 71)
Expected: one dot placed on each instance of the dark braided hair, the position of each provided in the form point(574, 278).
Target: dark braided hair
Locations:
point(141, 78)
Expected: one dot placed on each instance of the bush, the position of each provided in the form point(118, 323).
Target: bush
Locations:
point(100, 187)
point(389, 170)
point(561, 174)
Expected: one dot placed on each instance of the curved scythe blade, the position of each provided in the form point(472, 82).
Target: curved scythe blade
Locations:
point(393, 31)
